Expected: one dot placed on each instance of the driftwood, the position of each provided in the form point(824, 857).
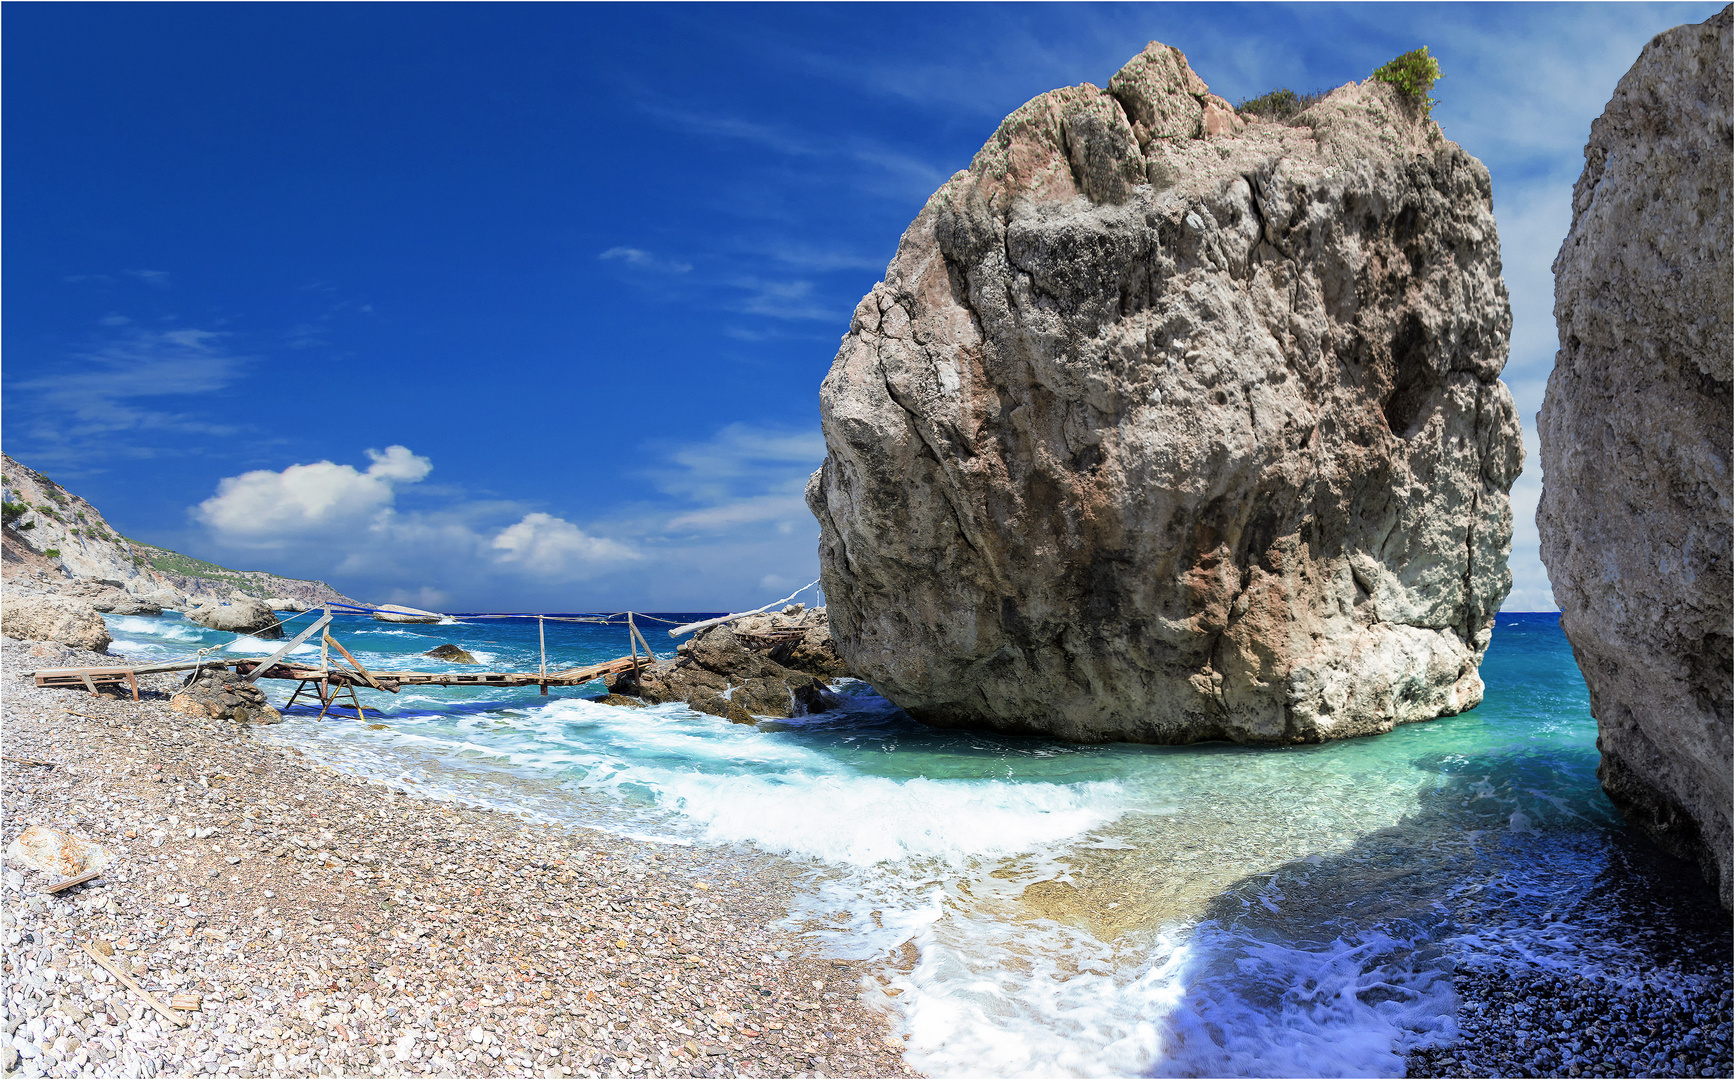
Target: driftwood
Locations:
point(63, 885)
point(126, 980)
point(706, 624)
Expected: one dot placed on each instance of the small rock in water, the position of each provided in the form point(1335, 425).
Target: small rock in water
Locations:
point(452, 653)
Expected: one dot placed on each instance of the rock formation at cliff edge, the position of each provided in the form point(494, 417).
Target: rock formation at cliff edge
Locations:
point(1165, 425)
point(54, 543)
point(1636, 430)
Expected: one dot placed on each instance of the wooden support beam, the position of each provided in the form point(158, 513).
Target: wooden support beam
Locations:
point(356, 663)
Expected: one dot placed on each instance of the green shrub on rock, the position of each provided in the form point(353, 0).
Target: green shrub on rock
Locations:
point(1414, 75)
point(1279, 104)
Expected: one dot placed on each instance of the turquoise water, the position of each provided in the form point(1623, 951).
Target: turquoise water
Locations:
point(1037, 908)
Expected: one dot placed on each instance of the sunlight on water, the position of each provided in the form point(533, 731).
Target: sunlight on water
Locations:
point(1038, 908)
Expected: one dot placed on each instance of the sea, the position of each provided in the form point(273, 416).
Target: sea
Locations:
point(1033, 907)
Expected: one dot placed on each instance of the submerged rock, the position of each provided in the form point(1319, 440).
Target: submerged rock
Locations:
point(1635, 433)
point(762, 665)
point(221, 694)
point(52, 618)
point(239, 615)
point(1164, 426)
point(452, 653)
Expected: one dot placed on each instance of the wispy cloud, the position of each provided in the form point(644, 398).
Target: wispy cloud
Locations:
point(908, 174)
point(156, 279)
point(107, 387)
point(640, 259)
point(783, 300)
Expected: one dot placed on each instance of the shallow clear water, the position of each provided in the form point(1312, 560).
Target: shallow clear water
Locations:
point(1035, 907)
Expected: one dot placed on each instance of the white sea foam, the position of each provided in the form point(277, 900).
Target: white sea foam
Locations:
point(248, 645)
point(153, 628)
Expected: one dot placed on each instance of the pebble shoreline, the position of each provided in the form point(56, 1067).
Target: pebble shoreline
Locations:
point(335, 926)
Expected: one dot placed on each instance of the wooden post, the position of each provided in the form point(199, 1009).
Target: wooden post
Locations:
point(632, 637)
point(542, 642)
point(325, 650)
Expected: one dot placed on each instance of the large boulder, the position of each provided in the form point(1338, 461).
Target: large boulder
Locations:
point(1636, 432)
point(239, 615)
point(1161, 430)
point(54, 618)
point(762, 665)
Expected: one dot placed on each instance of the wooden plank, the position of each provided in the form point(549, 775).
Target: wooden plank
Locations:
point(126, 980)
point(67, 883)
point(318, 625)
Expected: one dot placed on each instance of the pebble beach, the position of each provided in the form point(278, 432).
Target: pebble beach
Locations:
point(333, 926)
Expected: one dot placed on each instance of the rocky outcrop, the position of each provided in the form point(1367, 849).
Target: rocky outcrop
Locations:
point(396, 613)
point(221, 694)
point(51, 618)
point(239, 615)
point(55, 543)
point(452, 653)
point(1636, 432)
point(762, 665)
point(1165, 426)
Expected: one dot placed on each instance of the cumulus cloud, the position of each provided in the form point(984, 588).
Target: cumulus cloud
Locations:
point(269, 508)
point(336, 521)
point(544, 544)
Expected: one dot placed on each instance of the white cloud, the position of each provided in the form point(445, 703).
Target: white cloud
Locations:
point(335, 521)
point(265, 508)
point(553, 547)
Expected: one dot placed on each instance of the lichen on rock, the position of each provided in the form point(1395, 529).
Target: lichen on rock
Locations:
point(1167, 426)
point(1635, 516)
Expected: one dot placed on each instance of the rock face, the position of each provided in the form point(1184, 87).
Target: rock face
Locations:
point(239, 615)
point(762, 665)
point(1636, 431)
point(223, 695)
point(52, 618)
point(1162, 430)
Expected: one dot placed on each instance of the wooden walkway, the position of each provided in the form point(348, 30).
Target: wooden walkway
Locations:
point(333, 679)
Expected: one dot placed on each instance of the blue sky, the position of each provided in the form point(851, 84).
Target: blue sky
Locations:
point(526, 306)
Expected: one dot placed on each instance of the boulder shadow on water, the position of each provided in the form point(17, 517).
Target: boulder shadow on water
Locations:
point(1505, 876)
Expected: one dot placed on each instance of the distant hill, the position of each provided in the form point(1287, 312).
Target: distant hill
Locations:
point(55, 542)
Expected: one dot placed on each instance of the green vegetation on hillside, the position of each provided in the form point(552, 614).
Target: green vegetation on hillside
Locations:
point(173, 562)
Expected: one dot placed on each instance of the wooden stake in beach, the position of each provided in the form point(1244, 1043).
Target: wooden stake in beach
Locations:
point(542, 643)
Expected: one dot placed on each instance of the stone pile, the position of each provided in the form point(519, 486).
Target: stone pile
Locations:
point(221, 694)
